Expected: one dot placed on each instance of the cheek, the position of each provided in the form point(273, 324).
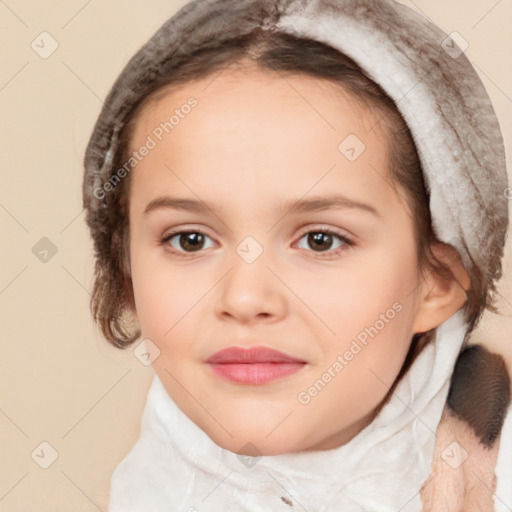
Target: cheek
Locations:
point(356, 296)
point(162, 293)
point(371, 309)
point(373, 340)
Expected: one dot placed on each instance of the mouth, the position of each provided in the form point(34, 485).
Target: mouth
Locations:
point(254, 365)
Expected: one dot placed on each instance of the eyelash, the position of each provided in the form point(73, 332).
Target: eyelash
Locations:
point(347, 242)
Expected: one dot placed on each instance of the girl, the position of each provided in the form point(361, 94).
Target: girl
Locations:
point(300, 206)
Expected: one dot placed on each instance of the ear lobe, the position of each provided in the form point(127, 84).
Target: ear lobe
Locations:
point(441, 295)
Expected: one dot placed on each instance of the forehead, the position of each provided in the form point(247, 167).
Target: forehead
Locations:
point(249, 128)
point(246, 92)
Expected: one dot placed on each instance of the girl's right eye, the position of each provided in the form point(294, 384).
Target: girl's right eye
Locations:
point(190, 241)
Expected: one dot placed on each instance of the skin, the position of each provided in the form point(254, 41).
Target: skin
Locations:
point(251, 143)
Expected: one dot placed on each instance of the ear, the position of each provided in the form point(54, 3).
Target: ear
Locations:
point(441, 296)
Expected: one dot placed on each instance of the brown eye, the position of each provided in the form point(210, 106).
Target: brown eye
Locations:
point(186, 241)
point(322, 241)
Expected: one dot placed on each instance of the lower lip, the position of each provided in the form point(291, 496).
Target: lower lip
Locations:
point(255, 373)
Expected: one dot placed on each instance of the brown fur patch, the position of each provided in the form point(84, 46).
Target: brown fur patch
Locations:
point(480, 392)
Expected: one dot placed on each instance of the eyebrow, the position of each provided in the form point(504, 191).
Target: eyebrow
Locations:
point(313, 204)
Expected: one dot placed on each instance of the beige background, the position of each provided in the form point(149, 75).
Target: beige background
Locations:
point(60, 381)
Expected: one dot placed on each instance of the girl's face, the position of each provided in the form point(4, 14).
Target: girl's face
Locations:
point(253, 272)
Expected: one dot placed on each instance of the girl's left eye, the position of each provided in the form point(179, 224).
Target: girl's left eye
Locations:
point(183, 242)
point(324, 237)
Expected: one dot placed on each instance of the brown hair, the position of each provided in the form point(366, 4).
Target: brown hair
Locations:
point(283, 54)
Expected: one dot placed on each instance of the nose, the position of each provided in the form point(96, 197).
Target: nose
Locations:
point(251, 292)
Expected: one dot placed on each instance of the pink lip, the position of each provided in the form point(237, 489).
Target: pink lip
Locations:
point(254, 365)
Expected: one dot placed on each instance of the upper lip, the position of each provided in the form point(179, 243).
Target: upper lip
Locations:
point(257, 354)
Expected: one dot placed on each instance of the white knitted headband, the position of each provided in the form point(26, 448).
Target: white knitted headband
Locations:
point(433, 84)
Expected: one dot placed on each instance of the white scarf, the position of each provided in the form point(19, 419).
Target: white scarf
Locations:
point(175, 466)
